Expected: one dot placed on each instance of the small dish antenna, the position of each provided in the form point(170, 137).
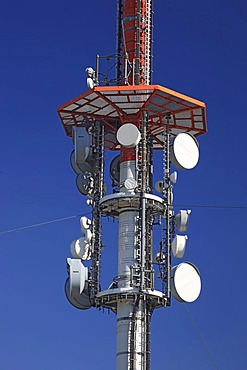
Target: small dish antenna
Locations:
point(81, 249)
point(178, 245)
point(115, 170)
point(184, 151)
point(80, 167)
point(174, 177)
point(185, 282)
point(159, 258)
point(85, 183)
point(160, 186)
point(182, 219)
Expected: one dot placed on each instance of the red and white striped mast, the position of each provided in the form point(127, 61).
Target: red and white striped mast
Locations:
point(130, 115)
point(133, 315)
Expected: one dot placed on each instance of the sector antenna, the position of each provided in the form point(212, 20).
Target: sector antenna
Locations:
point(124, 112)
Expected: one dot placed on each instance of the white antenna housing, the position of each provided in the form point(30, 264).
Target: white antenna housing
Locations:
point(90, 83)
point(82, 144)
point(78, 274)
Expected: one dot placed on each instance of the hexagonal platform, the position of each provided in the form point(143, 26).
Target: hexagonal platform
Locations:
point(115, 105)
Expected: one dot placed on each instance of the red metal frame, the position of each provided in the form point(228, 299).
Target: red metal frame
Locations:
point(116, 105)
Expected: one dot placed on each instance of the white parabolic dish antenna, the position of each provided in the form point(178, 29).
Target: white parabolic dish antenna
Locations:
point(128, 135)
point(185, 282)
point(82, 301)
point(79, 167)
point(184, 151)
point(80, 248)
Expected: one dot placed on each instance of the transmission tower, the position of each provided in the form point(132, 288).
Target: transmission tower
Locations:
point(123, 111)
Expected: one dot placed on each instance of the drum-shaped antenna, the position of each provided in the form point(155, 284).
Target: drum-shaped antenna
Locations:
point(179, 245)
point(128, 135)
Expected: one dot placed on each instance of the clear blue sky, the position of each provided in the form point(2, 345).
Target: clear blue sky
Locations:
point(200, 50)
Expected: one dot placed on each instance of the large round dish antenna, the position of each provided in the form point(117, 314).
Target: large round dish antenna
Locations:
point(82, 301)
point(128, 135)
point(184, 151)
point(185, 282)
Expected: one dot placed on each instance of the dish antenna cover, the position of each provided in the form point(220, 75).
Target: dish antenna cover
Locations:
point(182, 219)
point(184, 151)
point(128, 135)
point(185, 282)
point(178, 245)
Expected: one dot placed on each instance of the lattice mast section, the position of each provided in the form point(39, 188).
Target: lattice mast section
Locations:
point(134, 41)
